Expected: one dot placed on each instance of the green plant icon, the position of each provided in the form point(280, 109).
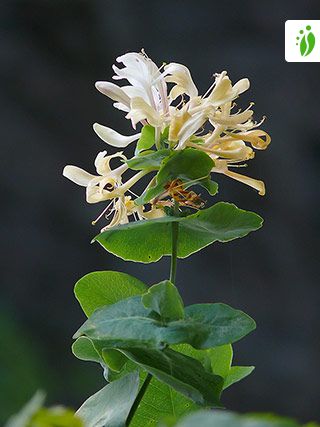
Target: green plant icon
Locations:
point(306, 40)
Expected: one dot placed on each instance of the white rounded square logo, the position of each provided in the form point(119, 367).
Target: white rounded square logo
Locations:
point(302, 40)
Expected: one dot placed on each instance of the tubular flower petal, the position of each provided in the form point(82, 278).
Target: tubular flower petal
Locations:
point(114, 138)
point(231, 120)
point(180, 75)
point(221, 166)
point(189, 128)
point(77, 175)
point(114, 92)
point(140, 110)
point(177, 121)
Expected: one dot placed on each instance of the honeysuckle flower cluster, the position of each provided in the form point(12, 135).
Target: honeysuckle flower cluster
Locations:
point(167, 98)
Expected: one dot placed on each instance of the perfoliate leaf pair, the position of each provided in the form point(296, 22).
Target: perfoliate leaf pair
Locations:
point(148, 241)
point(133, 332)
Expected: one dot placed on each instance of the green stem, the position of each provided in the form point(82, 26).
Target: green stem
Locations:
point(139, 397)
point(173, 271)
point(174, 247)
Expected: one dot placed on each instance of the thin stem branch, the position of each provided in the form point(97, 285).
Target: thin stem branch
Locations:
point(173, 271)
point(174, 247)
point(139, 397)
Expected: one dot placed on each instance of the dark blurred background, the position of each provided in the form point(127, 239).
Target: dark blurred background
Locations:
point(52, 52)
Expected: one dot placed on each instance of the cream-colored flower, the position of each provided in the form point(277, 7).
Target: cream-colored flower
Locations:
point(228, 136)
point(224, 91)
point(121, 209)
point(145, 99)
point(102, 186)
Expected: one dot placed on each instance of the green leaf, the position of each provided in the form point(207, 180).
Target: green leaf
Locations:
point(111, 405)
point(218, 361)
point(165, 300)
point(149, 161)
point(91, 351)
point(114, 359)
point(237, 373)
point(230, 419)
point(184, 374)
point(147, 241)
point(188, 165)
point(101, 288)
point(84, 349)
point(209, 185)
point(146, 140)
point(129, 324)
point(161, 401)
point(217, 324)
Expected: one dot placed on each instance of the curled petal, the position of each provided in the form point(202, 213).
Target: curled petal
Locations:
point(258, 138)
point(231, 120)
point(114, 92)
point(102, 162)
point(77, 175)
point(232, 149)
point(114, 138)
point(224, 91)
point(141, 110)
point(180, 75)
point(95, 194)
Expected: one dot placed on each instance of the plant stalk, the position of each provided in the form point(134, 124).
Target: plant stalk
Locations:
point(174, 253)
point(173, 272)
point(174, 247)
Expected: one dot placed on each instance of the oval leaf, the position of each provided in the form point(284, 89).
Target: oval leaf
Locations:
point(165, 300)
point(101, 288)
